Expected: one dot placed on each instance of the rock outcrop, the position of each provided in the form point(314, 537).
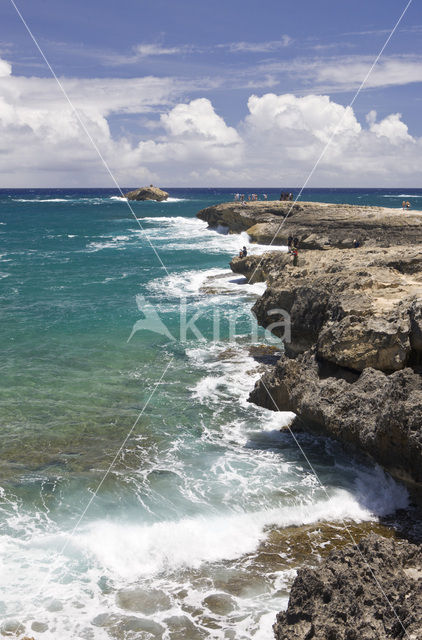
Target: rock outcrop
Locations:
point(372, 412)
point(372, 592)
point(359, 307)
point(351, 370)
point(317, 225)
point(353, 357)
point(147, 193)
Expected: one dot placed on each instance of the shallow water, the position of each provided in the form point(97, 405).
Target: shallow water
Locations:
point(201, 522)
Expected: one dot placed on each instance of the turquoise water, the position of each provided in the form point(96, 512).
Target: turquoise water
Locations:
point(204, 479)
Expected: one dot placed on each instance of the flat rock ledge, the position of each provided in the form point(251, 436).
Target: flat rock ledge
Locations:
point(147, 193)
point(373, 592)
point(318, 225)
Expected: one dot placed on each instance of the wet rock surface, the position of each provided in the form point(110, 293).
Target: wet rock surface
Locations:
point(372, 592)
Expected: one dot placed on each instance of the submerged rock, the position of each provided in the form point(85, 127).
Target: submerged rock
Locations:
point(12, 628)
point(372, 592)
point(220, 603)
point(147, 193)
point(39, 627)
point(145, 601)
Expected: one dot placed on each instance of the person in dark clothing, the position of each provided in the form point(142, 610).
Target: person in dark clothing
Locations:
point(296, 243)
point(244, 252)
point(290, 243)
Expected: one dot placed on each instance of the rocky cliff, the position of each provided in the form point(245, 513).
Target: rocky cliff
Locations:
point(352, 363)
point(369, 592)
point(351, 370)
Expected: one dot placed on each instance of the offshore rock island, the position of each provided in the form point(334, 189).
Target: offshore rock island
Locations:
point(147, 193)
point(352, 369)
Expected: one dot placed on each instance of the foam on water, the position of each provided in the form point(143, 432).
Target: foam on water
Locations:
point(197, 236)
point(41, 200)
point(186, 554)
point(208, 477)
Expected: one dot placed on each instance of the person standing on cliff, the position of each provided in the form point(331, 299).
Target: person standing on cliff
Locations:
point(290, 243)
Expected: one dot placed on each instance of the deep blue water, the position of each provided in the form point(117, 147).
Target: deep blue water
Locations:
point(204, 479)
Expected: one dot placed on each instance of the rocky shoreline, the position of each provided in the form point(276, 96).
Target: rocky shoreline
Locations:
point(351, 370)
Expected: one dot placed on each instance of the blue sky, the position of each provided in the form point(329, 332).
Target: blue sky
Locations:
point(166, 54)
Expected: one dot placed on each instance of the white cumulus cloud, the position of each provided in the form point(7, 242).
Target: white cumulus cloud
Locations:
point(276, 144)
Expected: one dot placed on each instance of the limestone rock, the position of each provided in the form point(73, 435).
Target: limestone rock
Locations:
point(372, 412)
point(356, 308)
point(147, 193)
point(318, 225)
point(341, 600)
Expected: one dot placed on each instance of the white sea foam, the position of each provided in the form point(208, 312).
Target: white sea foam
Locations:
point(41, 200)
point(114, 242)
point(134, 550)
point(404, 195)
point(192, 282)
point(122, 199)
point(186, 234)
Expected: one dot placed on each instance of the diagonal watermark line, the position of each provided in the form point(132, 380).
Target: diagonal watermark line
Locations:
point(345, 527)
point(86, 131)
point(112, 463)
point(104, 162)
point(340, 122)
point(70, 534)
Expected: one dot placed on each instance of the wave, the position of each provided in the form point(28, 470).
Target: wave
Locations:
point(41, 200)
point(114, 242)
point(122, 199)
point(404, 195)
point(187, 234)
point(135, 550)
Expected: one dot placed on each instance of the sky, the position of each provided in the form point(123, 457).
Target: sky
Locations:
point(197, 93)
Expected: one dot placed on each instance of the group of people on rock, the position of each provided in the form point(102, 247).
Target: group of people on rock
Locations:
point(240, 197)
point(284, 195)
point(243, 253)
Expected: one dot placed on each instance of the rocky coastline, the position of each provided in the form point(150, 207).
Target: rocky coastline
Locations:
point(351, 370)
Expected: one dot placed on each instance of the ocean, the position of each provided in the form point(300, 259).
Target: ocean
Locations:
point(141, 495)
